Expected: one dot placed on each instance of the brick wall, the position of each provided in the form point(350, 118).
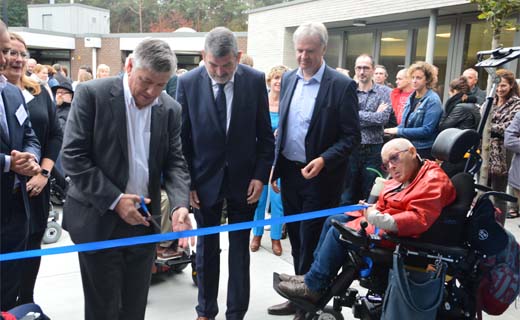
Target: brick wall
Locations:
point(110, 54)
point(80, 56)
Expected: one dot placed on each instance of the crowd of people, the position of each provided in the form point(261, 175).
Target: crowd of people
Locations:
point(226, 135)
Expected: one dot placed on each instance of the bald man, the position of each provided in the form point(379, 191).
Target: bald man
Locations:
point(408, 205)
point(472, 77)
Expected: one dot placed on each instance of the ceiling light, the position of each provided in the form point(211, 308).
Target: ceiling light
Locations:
point(390, 39)
point(359, 23)
point(443, 35)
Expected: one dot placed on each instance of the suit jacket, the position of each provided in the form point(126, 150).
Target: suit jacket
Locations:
point(333, 131)
point(246, 152)
point(95, 156)
point(21, 138)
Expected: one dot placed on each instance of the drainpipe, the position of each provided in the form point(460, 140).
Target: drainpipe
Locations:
point(432, 30)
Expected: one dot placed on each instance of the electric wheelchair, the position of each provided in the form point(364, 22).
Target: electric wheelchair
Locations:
point(447, 241)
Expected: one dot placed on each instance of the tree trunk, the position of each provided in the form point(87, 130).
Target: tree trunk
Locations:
point(486, 135)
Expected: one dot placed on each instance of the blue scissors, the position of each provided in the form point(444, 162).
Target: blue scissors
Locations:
point(143, 209)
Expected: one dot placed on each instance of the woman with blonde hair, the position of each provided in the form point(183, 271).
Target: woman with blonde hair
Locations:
point(273, 80)
point(103, 71)
point(42, 114)
point(41, 75)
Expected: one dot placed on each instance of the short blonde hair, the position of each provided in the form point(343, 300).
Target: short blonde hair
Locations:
point(275, 71)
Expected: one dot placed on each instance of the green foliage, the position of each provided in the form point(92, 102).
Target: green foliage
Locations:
point(159, 15)
point(497, 12)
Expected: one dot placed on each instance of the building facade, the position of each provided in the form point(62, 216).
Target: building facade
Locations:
point(446, 33)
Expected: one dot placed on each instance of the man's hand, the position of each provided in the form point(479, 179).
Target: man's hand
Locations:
point(194, 199)
point(382, 107)
point(36, 184)
point(254, 191)
point(181, 222)
point(24, 163)
point(313, 168)
point(127, 210)
point(275, 186)
point(392, 131)
point(367, 210)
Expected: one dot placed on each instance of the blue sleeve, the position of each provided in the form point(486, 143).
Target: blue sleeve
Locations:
point(430, 123)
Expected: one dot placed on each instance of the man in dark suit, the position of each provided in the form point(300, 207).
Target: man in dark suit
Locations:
point(318, 129)
point(122, 134)
point(19, 157)
point(227, 141)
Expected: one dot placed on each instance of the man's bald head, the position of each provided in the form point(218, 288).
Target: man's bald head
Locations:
point(5, 44)
point(396, 144)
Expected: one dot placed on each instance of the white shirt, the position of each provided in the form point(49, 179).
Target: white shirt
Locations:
point(228, 90)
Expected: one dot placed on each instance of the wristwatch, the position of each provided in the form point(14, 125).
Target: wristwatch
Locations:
point(45, 173)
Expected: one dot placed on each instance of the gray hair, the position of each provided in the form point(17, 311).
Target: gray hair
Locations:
point(155, 55)
point(220, 42)
point(311, 29)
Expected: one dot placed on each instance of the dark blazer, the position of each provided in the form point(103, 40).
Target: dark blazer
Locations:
point(333, 131)
point(21, 138)
point(246, 150)
point(95, 156)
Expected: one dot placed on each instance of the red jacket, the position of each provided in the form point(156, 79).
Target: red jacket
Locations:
point(416, 207)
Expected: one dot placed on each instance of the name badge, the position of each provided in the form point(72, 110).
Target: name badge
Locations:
point(21, 114)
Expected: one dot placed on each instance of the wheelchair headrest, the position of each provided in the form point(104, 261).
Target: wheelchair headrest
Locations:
point(451, 144)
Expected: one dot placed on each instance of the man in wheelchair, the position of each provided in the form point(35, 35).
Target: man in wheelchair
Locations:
point(408, 205)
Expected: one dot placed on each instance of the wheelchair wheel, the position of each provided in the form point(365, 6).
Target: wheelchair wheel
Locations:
point(329, 314)
point(52, 233)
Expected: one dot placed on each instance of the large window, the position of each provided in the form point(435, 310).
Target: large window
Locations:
point(334, 48)
point(477, 38)
point(393, 51)
point(440, 57)
point(357, 44)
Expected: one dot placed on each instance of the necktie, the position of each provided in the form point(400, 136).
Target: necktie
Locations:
point(221, 106)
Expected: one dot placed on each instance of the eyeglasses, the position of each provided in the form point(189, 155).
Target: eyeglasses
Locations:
point(362, 68)
point(6, 51)
point(394, 159)
point(23, 55)
point(62, 93)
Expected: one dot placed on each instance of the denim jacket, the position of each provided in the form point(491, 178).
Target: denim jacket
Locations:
point(421, 127)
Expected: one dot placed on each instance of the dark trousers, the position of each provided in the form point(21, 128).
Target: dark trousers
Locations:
point(208, 260)
point(359, 179)
point(30, 271)
point(300, 196)
point(116, 281)
point(13, 230)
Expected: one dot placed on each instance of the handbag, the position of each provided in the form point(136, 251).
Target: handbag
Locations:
point(413, 294)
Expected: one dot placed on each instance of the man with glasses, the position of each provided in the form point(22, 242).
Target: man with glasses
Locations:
point(63, 94)
point(374, 111)
point(408, 205)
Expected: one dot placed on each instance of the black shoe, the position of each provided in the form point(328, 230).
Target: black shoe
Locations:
point(288, 277)
point(299, 290)
point(282, 309)
point(300, 315)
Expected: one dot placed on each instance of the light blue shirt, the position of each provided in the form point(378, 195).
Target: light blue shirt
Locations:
point(300, 114)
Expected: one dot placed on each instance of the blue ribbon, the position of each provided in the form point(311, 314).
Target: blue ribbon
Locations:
point(123, 242)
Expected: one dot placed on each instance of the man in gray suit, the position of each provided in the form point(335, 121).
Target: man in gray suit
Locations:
point(122, 135)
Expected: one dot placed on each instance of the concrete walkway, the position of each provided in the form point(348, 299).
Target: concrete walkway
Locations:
point(174, 296)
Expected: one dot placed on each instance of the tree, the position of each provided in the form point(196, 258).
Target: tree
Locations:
point(497, 13)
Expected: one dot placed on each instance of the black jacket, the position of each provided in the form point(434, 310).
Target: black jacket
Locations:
point(458, 114)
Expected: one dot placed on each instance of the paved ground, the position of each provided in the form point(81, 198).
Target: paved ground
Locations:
point(59, 291)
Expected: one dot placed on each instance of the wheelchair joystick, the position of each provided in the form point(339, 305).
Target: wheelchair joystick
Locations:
point(363, 231)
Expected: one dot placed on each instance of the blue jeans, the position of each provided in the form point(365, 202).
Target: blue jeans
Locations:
point(276, 212)
point(329, 256)
point(359, 180)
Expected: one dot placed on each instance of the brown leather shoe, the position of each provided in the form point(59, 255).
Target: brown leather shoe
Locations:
point(299, 290)
point(282, 309)
point(288, 277)
point(277, 247)
point(255, 243)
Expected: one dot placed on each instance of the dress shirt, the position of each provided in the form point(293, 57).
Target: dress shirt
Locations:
point(300, 114)
point(138, 124)
point(228, 90)
point(372, 122)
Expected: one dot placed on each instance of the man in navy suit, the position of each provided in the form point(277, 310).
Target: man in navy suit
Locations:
point(319, 128)
point(229, 147)
point(19, 154)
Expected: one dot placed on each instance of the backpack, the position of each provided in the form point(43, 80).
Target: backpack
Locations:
point(500, 284)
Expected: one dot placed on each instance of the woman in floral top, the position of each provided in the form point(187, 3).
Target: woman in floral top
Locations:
point(505, 106)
